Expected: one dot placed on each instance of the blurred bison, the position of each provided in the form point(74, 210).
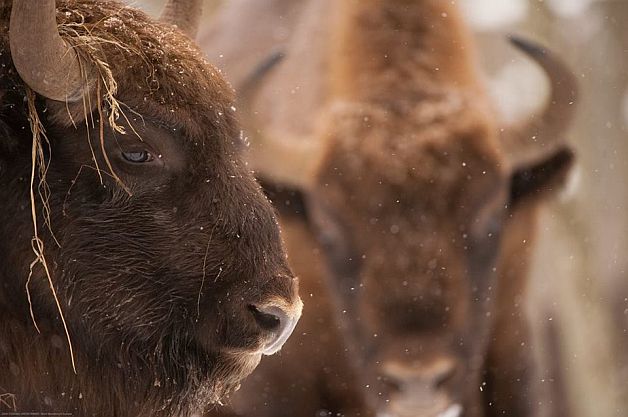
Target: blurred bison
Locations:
point(162, 251)
point(424, 207)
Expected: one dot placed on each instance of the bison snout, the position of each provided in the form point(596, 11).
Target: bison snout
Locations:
point(454, 410)
point(277, 320)
point(420, 388)
point(430, 376)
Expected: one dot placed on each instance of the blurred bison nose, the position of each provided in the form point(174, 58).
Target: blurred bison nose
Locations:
point(430, 376)
point(419, 389)
point(278, 321)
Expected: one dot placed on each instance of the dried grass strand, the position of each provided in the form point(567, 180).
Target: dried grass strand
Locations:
point(37, 244)
point(86, 45)
point(8, 400)
point(102, 146)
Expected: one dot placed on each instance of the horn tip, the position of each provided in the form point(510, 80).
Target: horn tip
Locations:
point(261, 70)
point(273, 59)
point(527, 46)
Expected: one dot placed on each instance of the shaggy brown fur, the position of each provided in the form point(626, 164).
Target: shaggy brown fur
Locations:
point(156, 282)
point(425, 225)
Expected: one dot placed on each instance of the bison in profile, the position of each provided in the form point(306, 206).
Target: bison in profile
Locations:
point(384, 154)
point(141, 268)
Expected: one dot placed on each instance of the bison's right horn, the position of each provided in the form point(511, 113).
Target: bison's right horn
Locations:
point(45, 62)
point(185, 14)
point(287, 161)
point(544, 131)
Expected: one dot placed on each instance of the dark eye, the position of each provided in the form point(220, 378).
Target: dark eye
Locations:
point(138, 157)
point(487, 225)
point(493, 226)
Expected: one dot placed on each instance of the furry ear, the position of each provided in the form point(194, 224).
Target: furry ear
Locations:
point(14, 137)
point(15, 131)
point(287, 200)
point(541, 179)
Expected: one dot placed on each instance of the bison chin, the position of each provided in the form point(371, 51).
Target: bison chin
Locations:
point(226, 380)
point(236, 367)
point(184, 389)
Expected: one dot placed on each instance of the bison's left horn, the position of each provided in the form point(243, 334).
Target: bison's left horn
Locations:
point(185, 14)
point(45, 62)
point(544, 131)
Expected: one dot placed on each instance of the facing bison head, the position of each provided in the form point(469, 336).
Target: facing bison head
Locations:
point(417, 207)
point(419, 201)
point(162, 252)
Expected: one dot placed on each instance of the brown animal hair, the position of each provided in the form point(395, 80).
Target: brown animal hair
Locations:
point(424, 206)
point(163, 253)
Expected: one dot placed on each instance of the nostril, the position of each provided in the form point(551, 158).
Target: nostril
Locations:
point(278, 322)
point(444, 377)
point(440, 382)
point(265, 319)
point(435, 374)
point(391, 385)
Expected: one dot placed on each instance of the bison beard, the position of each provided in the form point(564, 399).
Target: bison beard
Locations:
point(175, 380)
point(156, 284)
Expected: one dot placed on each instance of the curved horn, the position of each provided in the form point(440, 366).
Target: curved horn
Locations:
point(185, 14)
point(543, 132)
point(45, 62)
point(281, 160)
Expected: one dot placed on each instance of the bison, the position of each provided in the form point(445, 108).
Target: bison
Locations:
point(141, 267)
point(384, 155)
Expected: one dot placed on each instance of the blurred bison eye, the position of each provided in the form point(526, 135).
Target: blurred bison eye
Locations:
point(138, 157)
point(339, 250)
point(493, 226)
point(489, 225)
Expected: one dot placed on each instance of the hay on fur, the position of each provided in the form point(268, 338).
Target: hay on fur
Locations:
point(87, 48)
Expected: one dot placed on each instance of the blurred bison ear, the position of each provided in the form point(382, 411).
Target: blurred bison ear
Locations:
point(541, 179)
point(288, 201)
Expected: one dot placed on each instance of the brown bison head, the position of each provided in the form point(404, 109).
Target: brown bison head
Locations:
point(413, 202)
point(163, 253)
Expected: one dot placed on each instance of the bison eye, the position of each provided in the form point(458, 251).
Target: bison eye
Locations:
point(138, 157)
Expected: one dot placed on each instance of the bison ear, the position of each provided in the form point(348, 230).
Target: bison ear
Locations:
point(287, 200)
point(10, 142)
point(541, 178)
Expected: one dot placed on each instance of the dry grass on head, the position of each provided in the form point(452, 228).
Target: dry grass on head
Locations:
point(88, 49)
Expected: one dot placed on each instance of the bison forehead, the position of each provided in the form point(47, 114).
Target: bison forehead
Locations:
point(428, 155)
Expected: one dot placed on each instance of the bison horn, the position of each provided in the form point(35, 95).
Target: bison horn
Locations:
point(543, 131)
point(287, 161)
point(44, 61)
point(186, 15)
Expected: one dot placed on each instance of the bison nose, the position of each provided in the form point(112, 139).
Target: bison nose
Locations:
point(276, 320)
point(426, 376)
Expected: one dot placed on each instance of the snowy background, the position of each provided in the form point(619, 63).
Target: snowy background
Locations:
point(580, 279)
